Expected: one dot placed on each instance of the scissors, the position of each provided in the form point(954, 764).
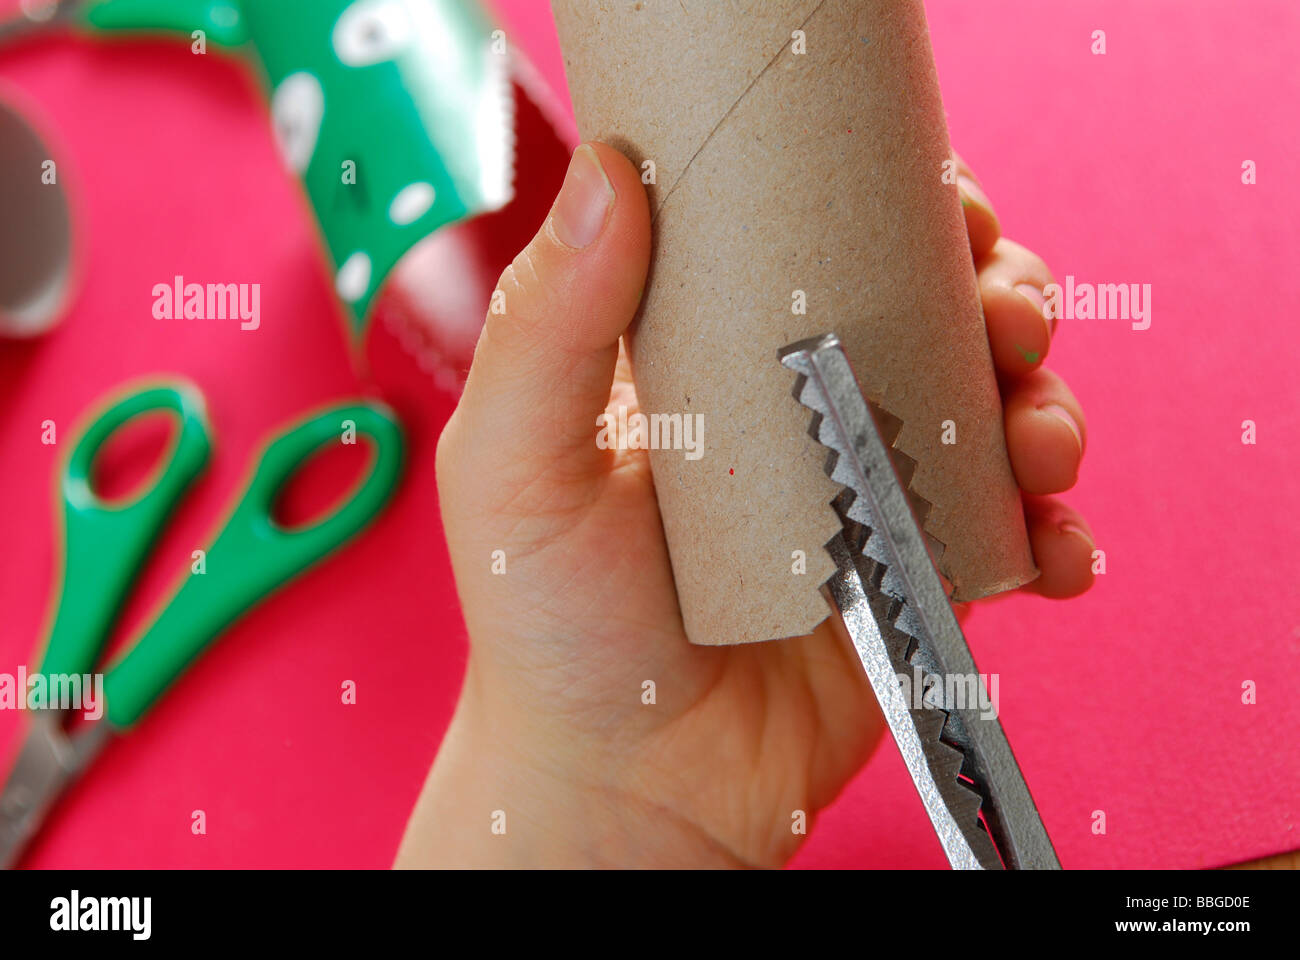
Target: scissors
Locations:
point(106, 544)
point(895, 610)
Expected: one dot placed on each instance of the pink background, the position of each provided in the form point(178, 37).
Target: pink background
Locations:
point(1117, 168)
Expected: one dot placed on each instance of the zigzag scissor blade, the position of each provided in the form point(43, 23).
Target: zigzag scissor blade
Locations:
point(877, 550)
point(945, 759)
point(896, 642)
point(810, 395)
point(909, 623)
point(840, 468)
point(945, 756)
point(916, 734)
point(901, 630)
point(895, 606)
point(965, 806)
point(826, 433)
point(861, 512)
point(893, 583)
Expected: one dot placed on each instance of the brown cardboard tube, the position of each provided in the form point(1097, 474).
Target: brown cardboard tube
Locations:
point(796, 146)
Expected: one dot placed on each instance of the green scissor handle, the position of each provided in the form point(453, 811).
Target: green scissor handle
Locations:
point(253, 555)
point(222, 21)
point(105, 543)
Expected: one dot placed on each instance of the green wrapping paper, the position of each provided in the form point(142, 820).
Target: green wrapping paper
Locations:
point(397, 115)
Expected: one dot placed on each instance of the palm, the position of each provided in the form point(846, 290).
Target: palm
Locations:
point(738, 738)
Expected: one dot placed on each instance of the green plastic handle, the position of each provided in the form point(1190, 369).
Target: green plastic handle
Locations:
point(221, 20)
point(253, 555)
point(105, 543)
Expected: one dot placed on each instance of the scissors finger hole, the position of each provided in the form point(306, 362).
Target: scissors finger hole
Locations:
point(130, 461)
point(327, 479)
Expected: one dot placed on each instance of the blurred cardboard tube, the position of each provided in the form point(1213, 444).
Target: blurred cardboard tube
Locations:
point(35, 229)
point(795, 145)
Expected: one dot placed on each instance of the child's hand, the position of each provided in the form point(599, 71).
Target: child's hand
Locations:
point(551, 728)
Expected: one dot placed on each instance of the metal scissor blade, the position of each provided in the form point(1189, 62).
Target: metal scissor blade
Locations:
point(849, 596)
point(48, 760)
point(897, 613)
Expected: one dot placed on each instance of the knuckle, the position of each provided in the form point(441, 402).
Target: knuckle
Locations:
point(524, 293)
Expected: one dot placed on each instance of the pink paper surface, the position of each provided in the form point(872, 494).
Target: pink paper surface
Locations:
point(1117, 168)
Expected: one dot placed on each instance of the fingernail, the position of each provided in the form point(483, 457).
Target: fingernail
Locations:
point(1033, 295)
point(584, 202)
point(971, 191)
point(1040, 303)
point(1058, 411)
point(1072, 528)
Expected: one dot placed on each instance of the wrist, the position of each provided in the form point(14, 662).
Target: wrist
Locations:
point(511, 792)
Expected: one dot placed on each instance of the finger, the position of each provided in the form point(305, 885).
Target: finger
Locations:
point(1011, 281)
point(1063, 546)
point(981, 222)
point(623, 392)
point(1046, 433)
point(545, 361)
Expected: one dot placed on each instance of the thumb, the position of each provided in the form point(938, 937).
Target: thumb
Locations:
point(545, 361)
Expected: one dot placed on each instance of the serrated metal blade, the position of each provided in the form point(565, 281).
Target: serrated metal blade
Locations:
point(897, 613)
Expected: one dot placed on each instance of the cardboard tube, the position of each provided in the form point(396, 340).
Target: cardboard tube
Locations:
point(796, 146)
point(36, 232)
